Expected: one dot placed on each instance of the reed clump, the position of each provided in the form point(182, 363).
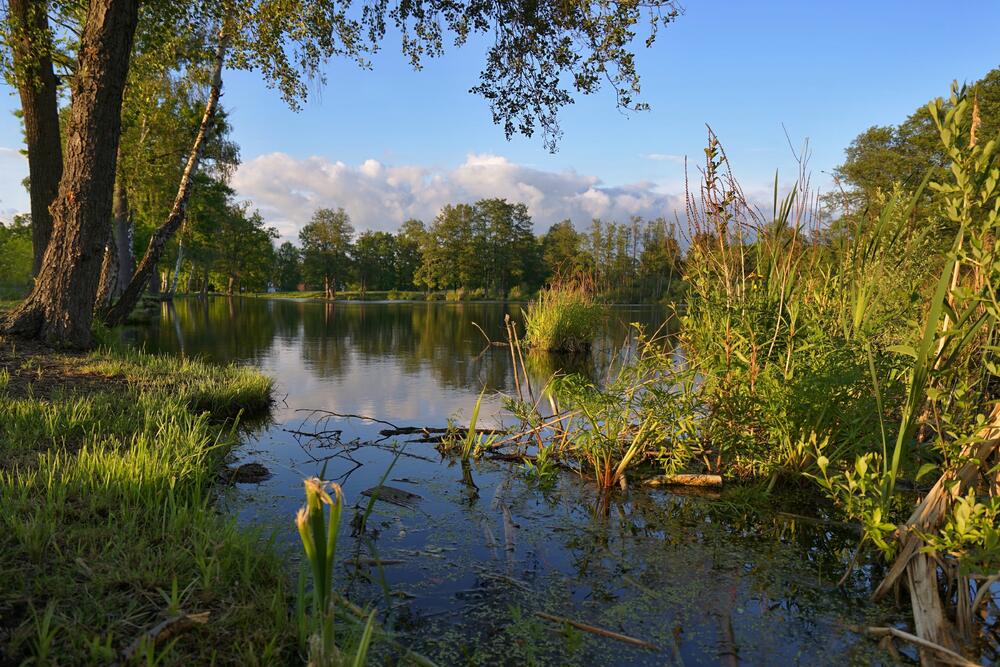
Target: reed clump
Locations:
point(565, 317)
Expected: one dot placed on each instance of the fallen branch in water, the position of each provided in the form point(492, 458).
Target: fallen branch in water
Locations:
point(946, 654)
point(601, 632)
point(345, 415)
point(681, 479)
point(428, 430)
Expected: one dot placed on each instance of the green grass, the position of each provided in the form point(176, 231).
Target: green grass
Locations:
point(107, 526)
point(564, 318)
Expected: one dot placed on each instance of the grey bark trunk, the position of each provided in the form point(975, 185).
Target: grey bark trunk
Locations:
point(124, 232)
point(147, 266)
point(60, 307)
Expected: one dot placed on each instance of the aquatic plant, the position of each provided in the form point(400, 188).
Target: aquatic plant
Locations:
point(319, 541)
point(565, 317)
point(865, 353)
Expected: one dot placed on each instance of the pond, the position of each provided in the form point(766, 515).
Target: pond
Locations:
point(462, 574)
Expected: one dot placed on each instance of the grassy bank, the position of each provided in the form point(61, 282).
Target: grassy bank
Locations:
point(107, 468)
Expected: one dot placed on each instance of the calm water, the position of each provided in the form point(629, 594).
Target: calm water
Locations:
point(705, 581)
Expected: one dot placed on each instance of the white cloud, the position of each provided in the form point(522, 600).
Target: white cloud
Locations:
point(379, 196)
point(664, 157)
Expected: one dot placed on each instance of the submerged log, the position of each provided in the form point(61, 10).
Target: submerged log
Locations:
point(682, 479)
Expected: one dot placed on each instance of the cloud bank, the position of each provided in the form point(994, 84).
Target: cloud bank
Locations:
point(379, 197)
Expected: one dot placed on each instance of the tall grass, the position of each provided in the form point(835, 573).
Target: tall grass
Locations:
point(564, 318)
point(107, 513)
point(863, 353)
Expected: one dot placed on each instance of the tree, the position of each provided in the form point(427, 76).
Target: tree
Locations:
point(287, 267)
point(449, 251)
point(245, 253)
point(660, 261)
point(882, 156)
point(409, 240)
point(563, 251)
point(210, 207)
point(33, 76)
point(506, 249)
point(60, 306)
point(326, 249)
point(540, 52)
point(375, 260)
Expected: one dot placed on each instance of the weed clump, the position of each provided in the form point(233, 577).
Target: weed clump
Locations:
point(564, 318)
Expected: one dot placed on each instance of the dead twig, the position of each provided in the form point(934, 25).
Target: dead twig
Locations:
point(601, 632)
point(163, 631)
point(947, 655)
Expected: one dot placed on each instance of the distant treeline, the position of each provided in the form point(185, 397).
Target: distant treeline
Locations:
point(487, 249)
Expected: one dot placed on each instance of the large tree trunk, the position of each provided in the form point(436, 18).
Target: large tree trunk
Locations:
point(158, 242)
point(38, 88)
point(60, 307)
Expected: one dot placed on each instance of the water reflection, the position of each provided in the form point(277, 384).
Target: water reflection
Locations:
point(484, 549)
point(363, 347)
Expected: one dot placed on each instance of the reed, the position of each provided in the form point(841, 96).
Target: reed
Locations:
point(565, 317)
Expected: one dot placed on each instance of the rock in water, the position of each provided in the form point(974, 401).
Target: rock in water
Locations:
point(250, 473)
point(391, 494)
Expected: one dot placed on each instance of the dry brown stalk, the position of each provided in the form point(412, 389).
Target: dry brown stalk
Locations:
point(601, 632)
point(945, 655)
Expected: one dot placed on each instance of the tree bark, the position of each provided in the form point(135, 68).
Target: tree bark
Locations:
point(37, 86)
point(123, 235)
point(109, 275)
point(59, 309)
point(147, 266)
point(177, 269)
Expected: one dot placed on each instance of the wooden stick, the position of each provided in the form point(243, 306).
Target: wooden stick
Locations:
point(163, 631)
point(685, 480)
point(598, 631)
point(951, 656)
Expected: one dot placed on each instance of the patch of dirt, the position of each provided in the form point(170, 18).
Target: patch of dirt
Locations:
point(39, 371)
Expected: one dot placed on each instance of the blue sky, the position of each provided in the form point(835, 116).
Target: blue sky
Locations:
point(390, 142)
